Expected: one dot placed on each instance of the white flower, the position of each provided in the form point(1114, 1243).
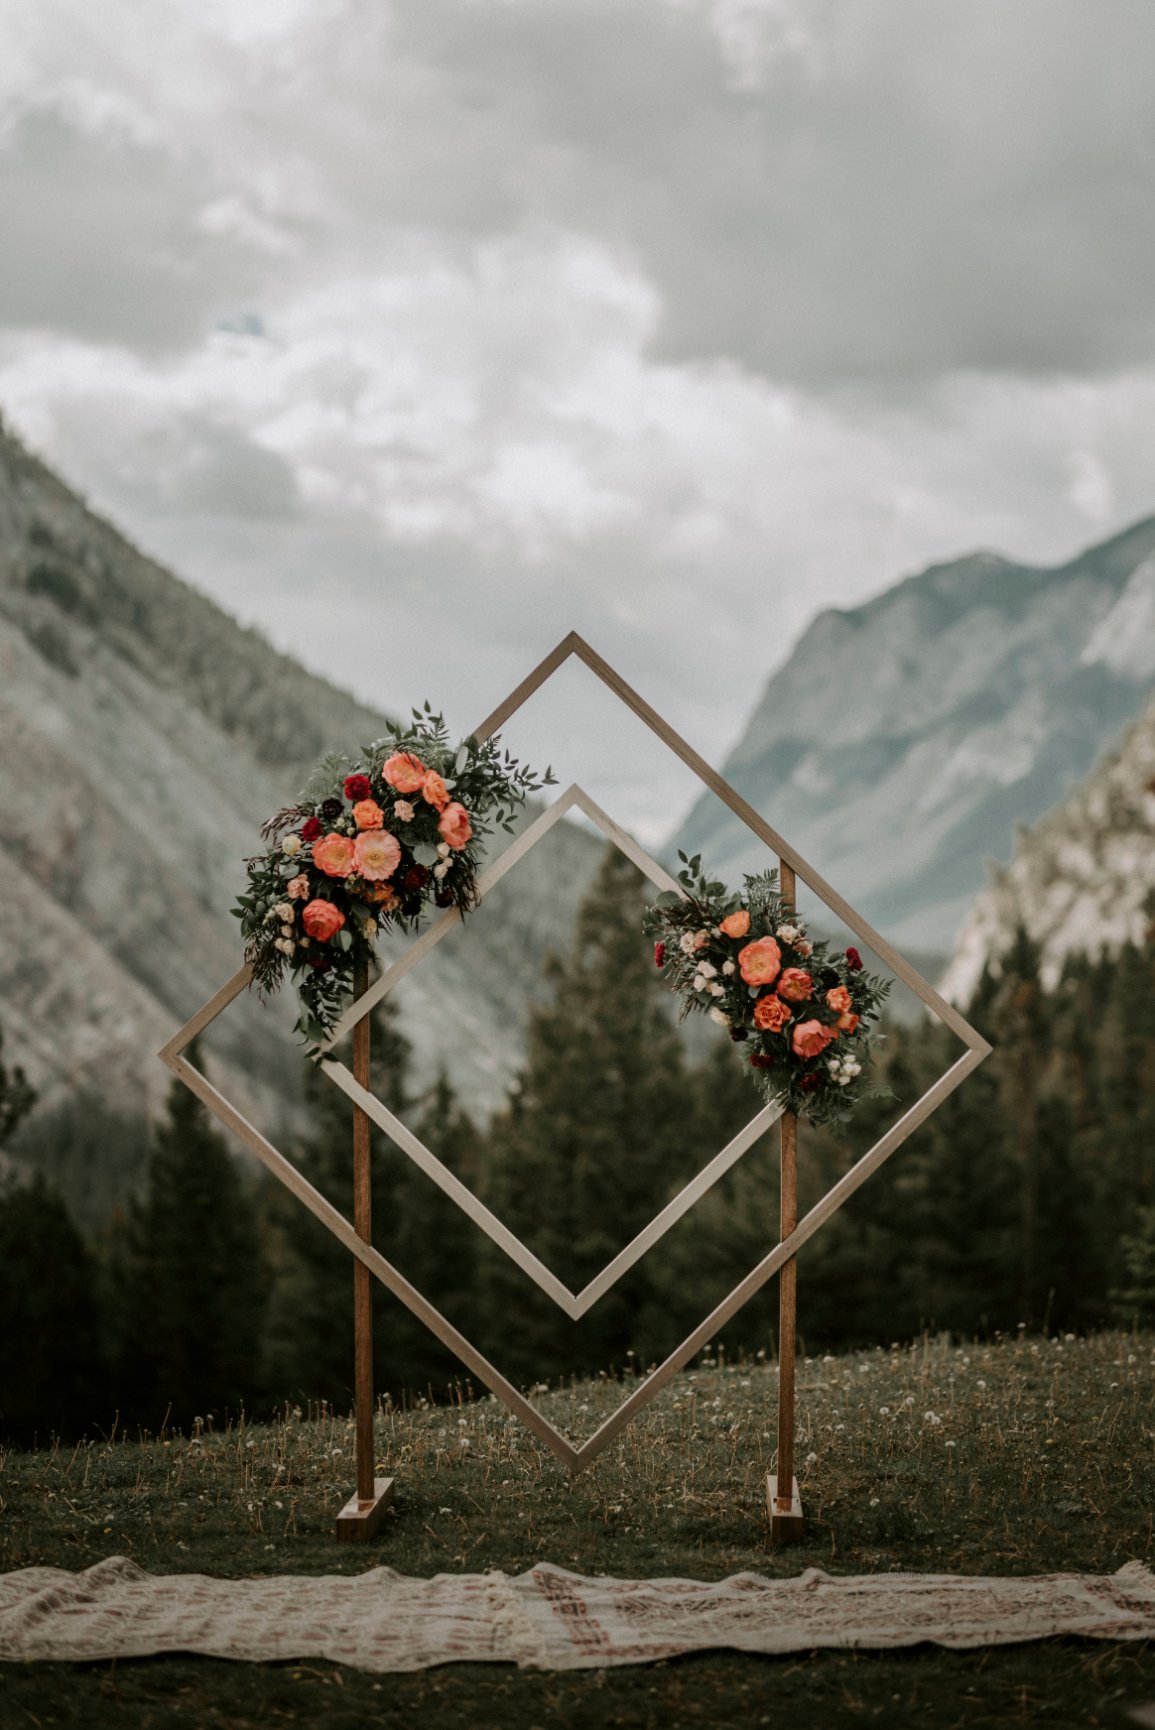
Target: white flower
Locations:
point(719, 1015)
point(788, 933)
point(707, 970)
point(686, 943)
point(443, 849)
point(701, 983)
point(728, 967)
point(715, 989)
point(403, 811)
point(441, 870)
point(285, 911)
point(291, 846)
point(804, 946)
point(931, 1418)
point(285, 945)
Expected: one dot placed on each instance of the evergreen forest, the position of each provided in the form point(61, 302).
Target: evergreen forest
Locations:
point(1027, 1200)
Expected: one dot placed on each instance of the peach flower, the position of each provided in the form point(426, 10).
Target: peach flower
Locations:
point(759, 962)
point(847, 1023)
point(378, 854)
point(810, 1038)
point(735, 924)
point(838, 998)
point(381, 895)
point(404, 772)
point(454, 826)
point(333, 854)
point(367, 814)
point(322, 920)
point(434, 791)
point(298, 888)
point(771, 1014)
point(796, 985)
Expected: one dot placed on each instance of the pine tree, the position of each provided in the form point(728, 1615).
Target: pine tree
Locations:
point(190, 1278)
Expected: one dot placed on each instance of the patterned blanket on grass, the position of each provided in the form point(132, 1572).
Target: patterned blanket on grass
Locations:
point(547, 1619)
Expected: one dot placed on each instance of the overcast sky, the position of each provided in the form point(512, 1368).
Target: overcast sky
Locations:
point(420, 331)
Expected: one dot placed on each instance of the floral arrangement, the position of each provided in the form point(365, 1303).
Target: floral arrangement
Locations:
point(806, 1014)
point(368, 845)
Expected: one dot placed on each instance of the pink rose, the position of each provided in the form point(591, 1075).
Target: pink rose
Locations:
point(796, 985)
point(367, 814)
point(454, 826)
point(322, 920)
point(333, 854)
point(810, 1038)
point(378, 853)
point(838, 998)
point(298, 888)
point(403, 811)
point(735, 924)
point(434, 791)
point(771, 1014)
point(803, 946)
point(759, 962)
point(404, 772)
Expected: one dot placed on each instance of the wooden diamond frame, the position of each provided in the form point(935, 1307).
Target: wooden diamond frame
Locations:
point(575, 1458)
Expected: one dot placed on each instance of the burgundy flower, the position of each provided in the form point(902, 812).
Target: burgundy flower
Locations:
point(659, 954)
point(762, 1060)
point(444, 897)
point(310, 828)
point(332, 808)
point(357, 787)
point(807, 1083)
point(320, 963)
point(737, 1033)
point(415, 877)
point(854, 960)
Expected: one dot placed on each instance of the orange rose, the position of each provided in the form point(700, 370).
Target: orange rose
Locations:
point(378, 853)
point(846, 1022)
point(404, 771)
point(454, 826)
point(771, 1014)
point(381, 895)
point(367, 814)
point(735, 924)
point(434, 791)
point(810, 1038)
point(759, 962)
point(333, 854)
point(796, 985)
point(322, 920)
point(839, 998)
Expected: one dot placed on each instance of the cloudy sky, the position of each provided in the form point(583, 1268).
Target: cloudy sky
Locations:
point(420, 331)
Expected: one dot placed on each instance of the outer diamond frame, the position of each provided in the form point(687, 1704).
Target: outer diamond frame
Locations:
point(575, 1458)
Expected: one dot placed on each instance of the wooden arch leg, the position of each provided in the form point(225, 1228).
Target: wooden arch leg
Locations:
point(782, 1497)
point(363, 1512)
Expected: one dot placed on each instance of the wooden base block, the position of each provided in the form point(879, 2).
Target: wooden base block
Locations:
point(785, 1522)
point(358, 1521)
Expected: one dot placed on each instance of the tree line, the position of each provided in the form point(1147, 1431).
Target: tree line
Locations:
point(1027, 1198)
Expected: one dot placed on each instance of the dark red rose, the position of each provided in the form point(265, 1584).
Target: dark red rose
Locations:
point(332, 808)
point(320, 963)
point(659, 954)
point(762, 1060)
point(807, 1083)
point(854, 960)
point(739, 1033)
point(310, 828)
point(357, 787)
point(415, 877)
point(827, 977)
point(444, 897)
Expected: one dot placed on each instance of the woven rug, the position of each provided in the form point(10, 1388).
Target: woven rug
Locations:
point(547, 1619)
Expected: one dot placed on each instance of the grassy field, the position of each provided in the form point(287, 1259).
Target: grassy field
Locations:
point(1017, 1456)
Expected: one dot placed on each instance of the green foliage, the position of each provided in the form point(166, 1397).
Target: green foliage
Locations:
point(1134, 1301)
point(17, 1097)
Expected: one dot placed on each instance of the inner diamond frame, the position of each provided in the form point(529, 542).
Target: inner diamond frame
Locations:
point(574, 1304)
point(576, 1458)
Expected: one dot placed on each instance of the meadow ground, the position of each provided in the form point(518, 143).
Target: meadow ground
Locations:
point(1010, 1457)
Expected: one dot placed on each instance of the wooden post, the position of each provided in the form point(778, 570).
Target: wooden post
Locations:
point(361, 1515)
point(782, 1496)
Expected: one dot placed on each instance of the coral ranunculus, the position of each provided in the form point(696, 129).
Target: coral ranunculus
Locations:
point(760, 961)
point(454, 826)
point(847, 1022)
point(810, 1038)
point(404, 772)
point(357, 787)
point(796, 985)
point(735, 924)
point(322, 920)
point(367, 814)
point(771, 1014)
point(434, 791)
point(839, 998)
point(333, 854)
point(377, 854)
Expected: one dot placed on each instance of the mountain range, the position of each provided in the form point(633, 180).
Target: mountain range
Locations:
point(904, 739)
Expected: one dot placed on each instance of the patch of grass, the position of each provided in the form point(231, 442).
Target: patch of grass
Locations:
point(1019, 1456)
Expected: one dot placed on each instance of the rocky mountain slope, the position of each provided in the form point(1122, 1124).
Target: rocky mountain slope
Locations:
point(1082, 880)
point(144, 736)
point(904, 739)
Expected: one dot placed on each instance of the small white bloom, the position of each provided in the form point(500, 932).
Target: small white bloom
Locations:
point(286, 911)
point(403, 811)
point(441, 870)
point(700, 982)
point(291, 846)
point(728, 967)
point(707, 970)
point(811, 1459)
point(443, 849)
point(286, 930)
point(715, 989)
point(931, 1418)
point(804, 946)
point(686, 943)
point(788, 933)
point(719, 1015)
point(285, 945)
